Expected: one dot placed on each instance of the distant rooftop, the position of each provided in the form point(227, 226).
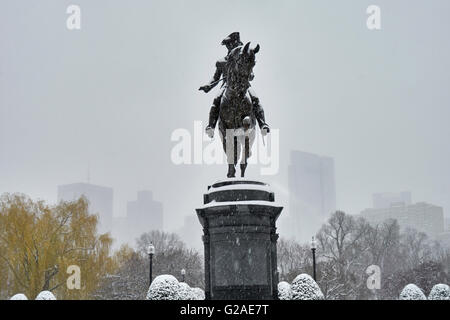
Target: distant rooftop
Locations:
point(83, 184)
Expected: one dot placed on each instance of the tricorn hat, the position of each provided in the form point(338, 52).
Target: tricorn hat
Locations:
point(233, 37)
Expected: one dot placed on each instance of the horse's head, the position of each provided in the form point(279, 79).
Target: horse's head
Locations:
point(240, 67)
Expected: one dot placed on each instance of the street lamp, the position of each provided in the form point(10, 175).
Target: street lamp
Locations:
point(183, 274)
point(313, 249)
point(151, 252)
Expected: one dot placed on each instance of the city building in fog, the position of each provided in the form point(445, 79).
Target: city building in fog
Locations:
point(100, 201)
point(191, 232)
point(421, 216)
point(144, 214)
point(390, 199)
point(312, 193)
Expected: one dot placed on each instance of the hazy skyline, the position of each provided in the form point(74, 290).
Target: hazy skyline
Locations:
point(109, 96)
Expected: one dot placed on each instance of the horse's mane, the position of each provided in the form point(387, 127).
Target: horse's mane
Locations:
point(236, 78)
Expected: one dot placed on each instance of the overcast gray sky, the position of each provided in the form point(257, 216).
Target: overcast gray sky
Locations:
point(110, 95)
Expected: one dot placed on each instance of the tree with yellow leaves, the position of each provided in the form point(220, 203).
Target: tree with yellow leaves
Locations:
point(39, 242)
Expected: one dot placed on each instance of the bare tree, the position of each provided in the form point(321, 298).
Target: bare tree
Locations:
point(293, 259)
point(131, 282)
point(348, 245)
point(344, 255)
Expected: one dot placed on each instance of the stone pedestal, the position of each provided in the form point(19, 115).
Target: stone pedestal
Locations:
point(240, 240)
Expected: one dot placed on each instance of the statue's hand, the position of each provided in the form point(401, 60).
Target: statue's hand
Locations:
point(206, 88)
point(265, 130)
point(209, 132)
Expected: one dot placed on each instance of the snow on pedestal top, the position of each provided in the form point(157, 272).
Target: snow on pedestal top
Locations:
point(240, 186)
point(238, 181)
point(239, 192)
point(248, 203)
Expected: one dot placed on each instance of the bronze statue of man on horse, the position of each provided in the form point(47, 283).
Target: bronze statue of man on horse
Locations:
point(236, 108)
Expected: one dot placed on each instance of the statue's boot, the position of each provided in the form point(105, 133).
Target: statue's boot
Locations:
point(259, 113)
point(231, 171)
point(213, 117)
point(243, 167)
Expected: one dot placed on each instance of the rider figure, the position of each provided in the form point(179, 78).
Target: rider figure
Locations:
point(231, 42)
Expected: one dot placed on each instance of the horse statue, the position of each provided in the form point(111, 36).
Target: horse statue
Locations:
point(237, 118)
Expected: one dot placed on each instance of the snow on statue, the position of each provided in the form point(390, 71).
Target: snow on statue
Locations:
point(412, 292)
point(305, 288)
point(236, 108)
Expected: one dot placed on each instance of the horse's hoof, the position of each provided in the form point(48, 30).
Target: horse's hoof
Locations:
point(231, 174)
point(243, 167)
point(231, 171)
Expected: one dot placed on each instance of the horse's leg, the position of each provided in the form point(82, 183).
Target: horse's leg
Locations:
point(247, 145)
point(234, 155)
point(229, 147)
point(244, 145)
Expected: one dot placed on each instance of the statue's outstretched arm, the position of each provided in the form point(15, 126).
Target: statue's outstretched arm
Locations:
point(214, 81)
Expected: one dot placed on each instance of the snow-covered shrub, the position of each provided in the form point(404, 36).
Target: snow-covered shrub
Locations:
point(440, 292)
point(198, 294)
point(45, 295)
point(305, 288)
point(167, 287)
point(284, 291)
point(185, 291)
point(412, 292)
point(19, 296)
point(164, 287)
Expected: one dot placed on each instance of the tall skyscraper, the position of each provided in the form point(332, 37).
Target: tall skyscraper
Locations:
point(100, 201)
point(312, 193)
point(144, 214)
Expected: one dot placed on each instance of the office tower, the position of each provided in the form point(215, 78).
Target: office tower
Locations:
point(100, 201)
point(421, 216)
point(144, 214)
point(390, 199)
point(312, 193)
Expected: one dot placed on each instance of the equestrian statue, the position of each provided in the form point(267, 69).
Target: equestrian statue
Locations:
point(236, 108)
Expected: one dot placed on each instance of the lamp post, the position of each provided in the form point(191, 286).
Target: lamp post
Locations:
point(183, 274)
point(151, 252)
point(313, 249)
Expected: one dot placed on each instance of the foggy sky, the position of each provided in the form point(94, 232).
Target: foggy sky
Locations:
point(109, 96)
